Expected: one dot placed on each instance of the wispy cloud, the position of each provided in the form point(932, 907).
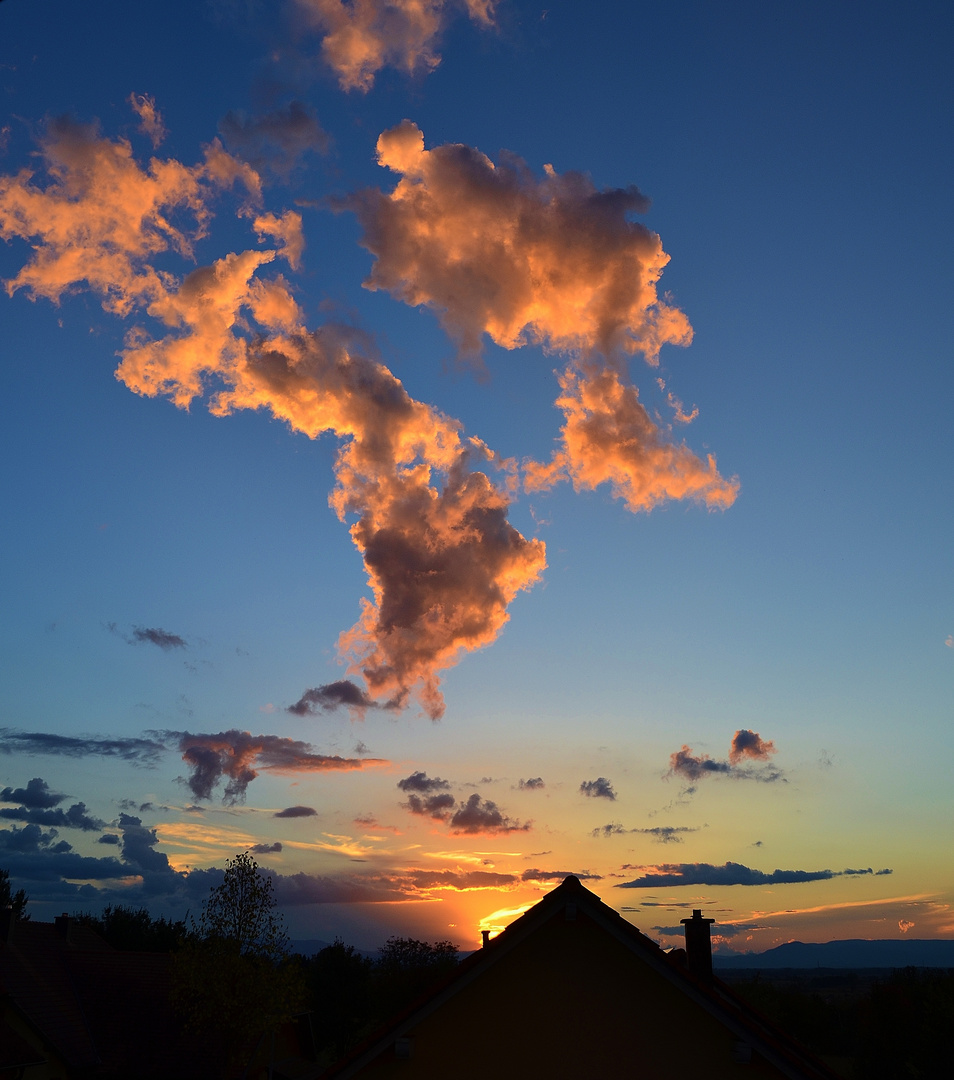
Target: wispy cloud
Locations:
point(139, 751)
point(669, 875)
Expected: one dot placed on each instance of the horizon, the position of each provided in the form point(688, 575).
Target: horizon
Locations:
point(444, 456)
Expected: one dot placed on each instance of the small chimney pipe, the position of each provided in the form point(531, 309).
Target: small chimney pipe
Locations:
point(485, 936)
point(698, 945)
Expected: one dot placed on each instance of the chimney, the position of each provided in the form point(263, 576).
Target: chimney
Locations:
point(62, 923)
point(485, 936)
point(698, 945)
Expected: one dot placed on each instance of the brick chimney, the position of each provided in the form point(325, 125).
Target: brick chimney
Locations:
point(698, 945)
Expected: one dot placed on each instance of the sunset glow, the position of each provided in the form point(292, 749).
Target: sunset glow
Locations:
point(450, 445)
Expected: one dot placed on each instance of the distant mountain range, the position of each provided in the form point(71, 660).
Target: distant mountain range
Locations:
point(857, 953)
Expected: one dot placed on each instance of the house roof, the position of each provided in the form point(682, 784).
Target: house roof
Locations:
point(754, 1037)
point(98, 1011)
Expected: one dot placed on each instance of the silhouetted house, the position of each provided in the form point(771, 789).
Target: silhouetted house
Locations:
point(71, 1006)
point(571, 989)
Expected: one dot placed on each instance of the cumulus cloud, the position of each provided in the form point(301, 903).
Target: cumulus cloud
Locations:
point(266, 849)
point(422, 783)
point(138, 751)
point(482, 816)
point(101, 217)
point(36, 795)
point(429, 797)
point(296, 811)
point(239, 755)
point(532, 784)
point(276, 139)
point(669, 875)
point(360, 37)
point(747, 746)
point(553, 261)
point(438, 807)
point(662, 834)
point(600, 788)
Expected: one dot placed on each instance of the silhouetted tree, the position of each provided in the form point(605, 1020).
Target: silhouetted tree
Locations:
point(135, 930)
point(17, 900)
point(406, 968)
point(339, 987)
point(906, 1026)
point(233, 978)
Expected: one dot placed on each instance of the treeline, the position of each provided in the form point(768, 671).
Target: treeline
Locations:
point(347, 993)
point(899, 1026)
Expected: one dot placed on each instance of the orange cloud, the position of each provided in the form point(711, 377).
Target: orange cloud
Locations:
point(150, 119)
point(608, 437)
point(443, 562)
point(493, 249)
point(552, 261)
point(361, 37)
point(101, 216)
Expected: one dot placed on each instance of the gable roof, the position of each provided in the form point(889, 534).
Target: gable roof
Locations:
point(572, 971)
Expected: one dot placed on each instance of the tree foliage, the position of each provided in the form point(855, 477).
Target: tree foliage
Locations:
point(17, 900)
point(233, 980)
point(134, 929)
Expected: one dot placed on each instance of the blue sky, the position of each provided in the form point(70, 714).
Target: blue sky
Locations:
point(797, 159)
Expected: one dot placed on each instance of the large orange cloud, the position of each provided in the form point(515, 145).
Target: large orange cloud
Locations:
point(443, 561)
point(360, 37)
point(549, 260)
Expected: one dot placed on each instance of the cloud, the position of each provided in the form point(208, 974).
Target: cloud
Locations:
point(76, 817)
point(36, 795)
point(331, 696)
point(532, 784)
point(553, 261)
point(442, 560)
point(904, 926)
point(666, 834)
point(266, 849)
point(949, 641)
point(139, 751)
point(438, 807)
point(239, 755)
point(557, 875)
point(459, 879)
point(669, 875)
point(101, 216)
point(600, 788)
point(478, 816)
point(154, 636)
point(663, 834)
point(108, 838)
point(296, 811)
point(422, 783)
point(361, 37)
point(277, 139)
point(150, 119)
point(749, 744)
point(746, 746)
point(612, 828)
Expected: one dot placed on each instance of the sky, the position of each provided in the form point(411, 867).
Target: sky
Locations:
point(451, 445)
